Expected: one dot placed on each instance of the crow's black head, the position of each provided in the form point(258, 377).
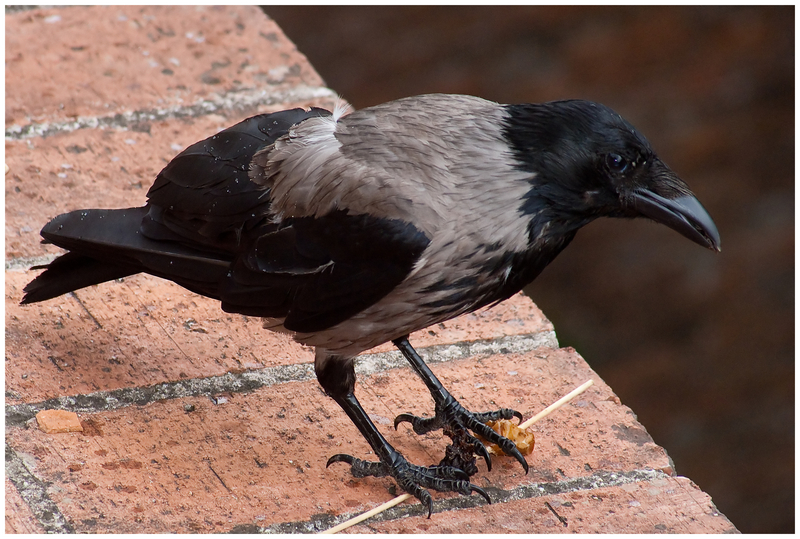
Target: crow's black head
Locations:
point(588, 162)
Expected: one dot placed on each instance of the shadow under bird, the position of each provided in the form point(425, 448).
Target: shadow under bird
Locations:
point(352, 230)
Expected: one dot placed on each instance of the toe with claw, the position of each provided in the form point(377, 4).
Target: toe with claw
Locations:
point(412, 478)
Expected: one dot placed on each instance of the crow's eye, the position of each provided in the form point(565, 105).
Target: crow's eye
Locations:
point(616, 163)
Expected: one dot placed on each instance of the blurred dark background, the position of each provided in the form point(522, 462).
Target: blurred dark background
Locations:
point(699, 345)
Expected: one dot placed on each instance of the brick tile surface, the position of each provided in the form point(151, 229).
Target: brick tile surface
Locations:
point(141, 58)
point(19, 518)
point(196, 420)
point(661, 505)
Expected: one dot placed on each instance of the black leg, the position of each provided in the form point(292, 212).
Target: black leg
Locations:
point(449, 413)
point(338, 379)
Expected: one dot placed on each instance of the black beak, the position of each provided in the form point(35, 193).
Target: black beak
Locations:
point(683, 214)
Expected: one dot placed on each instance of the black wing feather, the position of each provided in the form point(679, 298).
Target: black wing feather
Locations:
point(332, 267)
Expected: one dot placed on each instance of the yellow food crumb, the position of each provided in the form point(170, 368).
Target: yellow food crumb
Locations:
point(523, 439)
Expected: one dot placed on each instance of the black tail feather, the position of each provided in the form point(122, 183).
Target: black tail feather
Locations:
point(69, 272)
point(108, 244)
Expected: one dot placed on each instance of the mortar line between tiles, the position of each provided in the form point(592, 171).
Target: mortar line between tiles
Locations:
point(33, 492)
point(24, 263)
point(214, 104)
point(599, 479)
point(367, 364)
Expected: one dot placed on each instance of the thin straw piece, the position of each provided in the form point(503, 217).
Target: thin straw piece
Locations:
point(558, 404)
point(403, 497)
point(364, 516)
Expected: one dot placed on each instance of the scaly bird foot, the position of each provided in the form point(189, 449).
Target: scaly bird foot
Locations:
point(451, 414)
point(412, 478)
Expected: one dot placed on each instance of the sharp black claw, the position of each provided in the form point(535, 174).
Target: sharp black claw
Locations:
point(420, 425)
point(512, 451)
point(509, 448)
point(479, 490)
point(341, 457)
point(522, 461)
point(460, 475)
point(518, 416)
point(402, 418)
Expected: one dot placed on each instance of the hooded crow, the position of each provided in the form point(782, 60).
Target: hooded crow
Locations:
point(352, 230)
